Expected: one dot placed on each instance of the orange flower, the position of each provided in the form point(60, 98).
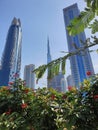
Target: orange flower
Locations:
point(24, 105)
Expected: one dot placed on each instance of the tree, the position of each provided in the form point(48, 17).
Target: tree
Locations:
point(86, 19)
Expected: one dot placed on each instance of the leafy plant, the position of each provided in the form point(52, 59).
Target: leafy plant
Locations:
point(22, 108)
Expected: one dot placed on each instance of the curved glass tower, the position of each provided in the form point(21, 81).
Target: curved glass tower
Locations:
point(11, 59)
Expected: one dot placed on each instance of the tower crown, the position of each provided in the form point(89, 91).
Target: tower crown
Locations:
point(16, 21)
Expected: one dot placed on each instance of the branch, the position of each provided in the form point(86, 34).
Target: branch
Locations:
point(55, 65)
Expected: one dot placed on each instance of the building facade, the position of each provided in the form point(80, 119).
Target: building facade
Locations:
point(80, 63)
point(29, 76)
point(63, 85)
point(57, 82)
point(70, 81)
point(11, 59)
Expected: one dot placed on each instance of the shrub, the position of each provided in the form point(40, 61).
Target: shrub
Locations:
point(22, 108)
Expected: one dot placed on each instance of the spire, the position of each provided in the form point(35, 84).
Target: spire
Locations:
point(48, 46)
point(48, 51)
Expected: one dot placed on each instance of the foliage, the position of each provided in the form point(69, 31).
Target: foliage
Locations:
point(87, 18)
point(22, 108)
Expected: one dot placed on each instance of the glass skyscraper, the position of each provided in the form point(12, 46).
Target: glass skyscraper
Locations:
point(29, 76)
point(11, 59)
point(80, 63)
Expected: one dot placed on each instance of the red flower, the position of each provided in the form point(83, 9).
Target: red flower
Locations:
point(8, 112)
point(69, 88)
point(11, 83)
point(95, 96)
point(88, 73)
point(26, 91)
point(52, 97)
point(24, 105)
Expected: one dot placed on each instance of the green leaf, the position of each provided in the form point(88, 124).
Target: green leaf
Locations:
point(63, 65)
point(40, 71)
point(57, 68)
point(50, 72)
point(88, 2)
point(79, 23)
point(53, 69)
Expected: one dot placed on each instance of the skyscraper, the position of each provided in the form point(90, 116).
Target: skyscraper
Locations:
point(63, 85)
point(29, 76)
point(48, 52)
point(49, 81)
point(56, 81)
point(70, 80)
point(11, 59)
point(80, 63)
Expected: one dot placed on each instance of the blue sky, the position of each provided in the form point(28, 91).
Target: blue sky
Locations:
point(39, 19)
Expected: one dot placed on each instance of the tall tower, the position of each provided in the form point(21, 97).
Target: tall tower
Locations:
point(29, 77)
point(48, 52)
point(49, 81)
point(80, 63)
point(56, 81)
point(11, 59)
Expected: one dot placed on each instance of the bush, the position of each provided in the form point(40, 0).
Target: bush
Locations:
point(22, 108)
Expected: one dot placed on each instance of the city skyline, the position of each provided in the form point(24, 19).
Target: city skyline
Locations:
point(39, 19)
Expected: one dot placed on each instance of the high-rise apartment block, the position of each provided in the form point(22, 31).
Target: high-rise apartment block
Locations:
point(56, 82)
point(63, 85)
point(70, 81)
point(11, 59)
point(80, 63)
point(29, 76)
